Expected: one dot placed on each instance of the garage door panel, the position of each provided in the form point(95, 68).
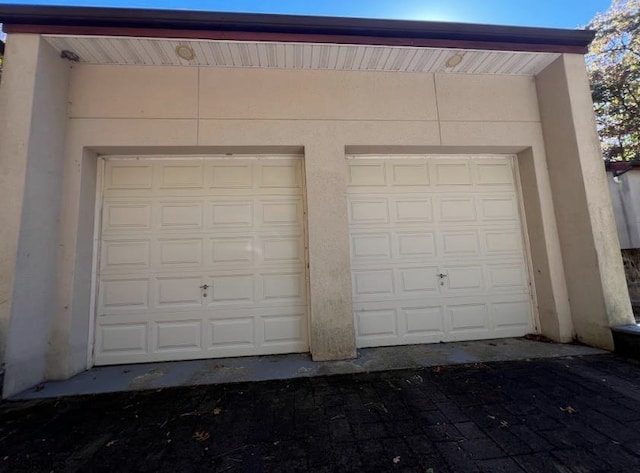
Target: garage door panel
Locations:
point(234, 332)
point(419, 280)
point(425, 323)
point(367, 174)
point(456, 268)
point(371, 245)
point(411, 210)
point(499, 208)
point(171, 227)
point(232, 250)
point(180, 252)
point(126, 255)
point(178, 291)
point(178, 336)
point(456, 209)
point(123, 216)
point(122, 339)
point(180, 176)
point(460, 243)
point(231, 289)
point(128, 176)
point(231, 213)
point(492, 172)
point(415, 245)
point(373, 283)
point(409, 174)
point(460, 279)
point(376, 323)
point(449, 172)
point(179, 215)
point(367, 211)
point(225, 175)
point(124, 293)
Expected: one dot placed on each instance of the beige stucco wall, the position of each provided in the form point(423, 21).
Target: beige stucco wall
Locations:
point(33, 116)
point(156, 110)
point(590, 249)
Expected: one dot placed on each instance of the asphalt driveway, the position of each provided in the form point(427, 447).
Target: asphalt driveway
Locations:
point(577, 415)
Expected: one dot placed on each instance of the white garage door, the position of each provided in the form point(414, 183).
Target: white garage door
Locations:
point(436, 250)
point(201, 258)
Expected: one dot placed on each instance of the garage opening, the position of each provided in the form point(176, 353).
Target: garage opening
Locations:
point(437, 250)
point(200, 257)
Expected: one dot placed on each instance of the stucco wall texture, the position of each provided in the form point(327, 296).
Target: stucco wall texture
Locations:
point(575, 262)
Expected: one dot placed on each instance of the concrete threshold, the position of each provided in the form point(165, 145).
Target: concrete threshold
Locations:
point(108, 379)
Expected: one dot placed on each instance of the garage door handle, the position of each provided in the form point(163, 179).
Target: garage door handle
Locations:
point(205, 287)
point(441, 275)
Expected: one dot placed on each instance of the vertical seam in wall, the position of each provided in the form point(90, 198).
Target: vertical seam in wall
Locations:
point(198, 107)
point(435, 94)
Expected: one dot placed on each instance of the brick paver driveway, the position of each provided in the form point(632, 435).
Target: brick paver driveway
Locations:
point(556, 415)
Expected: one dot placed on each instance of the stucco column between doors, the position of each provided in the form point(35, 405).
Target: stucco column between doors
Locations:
point(332, 335)
point(590, 250)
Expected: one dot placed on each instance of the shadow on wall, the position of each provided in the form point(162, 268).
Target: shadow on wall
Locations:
point(631, 260)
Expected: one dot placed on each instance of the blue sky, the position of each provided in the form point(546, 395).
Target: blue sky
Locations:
point(544, 13)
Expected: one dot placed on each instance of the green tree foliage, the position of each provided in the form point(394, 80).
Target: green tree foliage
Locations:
point(613, 64)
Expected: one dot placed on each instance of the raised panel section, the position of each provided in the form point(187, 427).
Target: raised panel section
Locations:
point(182, 335)
point(423, 320)
point(284, 328)
point(282, 286)
point(410, 174)
point(371, 246)
point(507, 241)
point(181, 176)
point(372, 282)
point(179, 291)
point(230, 176)
point(368, 211)
point(180, 252)
point(415, 210)
point(505, 277)
point(123, 254)
point(457, 209)
point(281, 213)
point(231, 213)
point(376, 322)
point(128, 177)
point(498, 208)
point(121, 217)
point(411, 245)
point(232, 332)
point(124, 293)
point(468, 317)
point(452, 174)
point(418, 279)
point(280, 175)
point(367, 174)
point(494, 173)
point(125, 338)
point(232, 289)
point(460, 243)
point(512, 314)
point(464, 278)
point(282, 250)
point(232, 250)
point(180, 215)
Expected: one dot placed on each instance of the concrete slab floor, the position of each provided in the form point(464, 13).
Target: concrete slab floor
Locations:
point(107, 379)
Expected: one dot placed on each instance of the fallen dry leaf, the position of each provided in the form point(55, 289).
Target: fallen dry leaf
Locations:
point(568, 410)
point(396, 459)
point(111, 443)
point(201, 436)
point(217, 411)
point(504, 424)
